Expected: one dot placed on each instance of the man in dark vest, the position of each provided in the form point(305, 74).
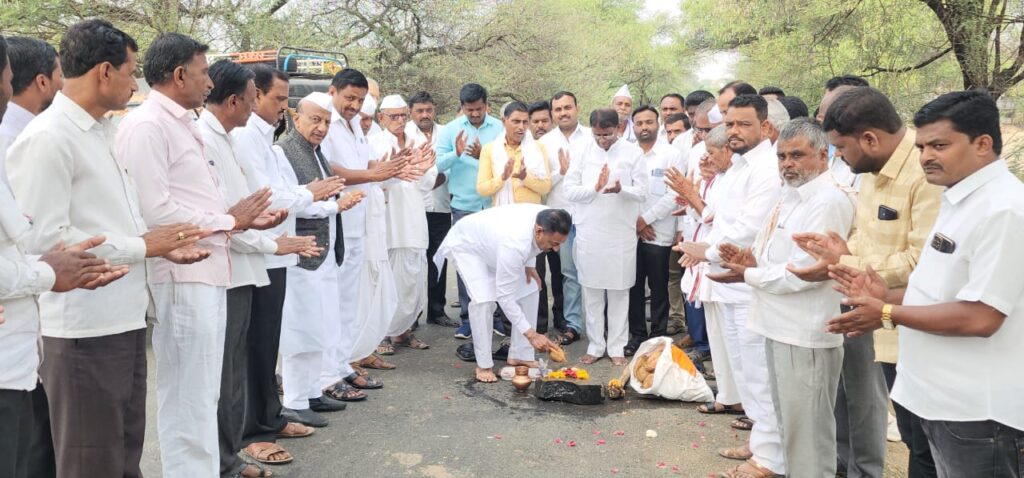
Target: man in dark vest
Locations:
point(311, 298)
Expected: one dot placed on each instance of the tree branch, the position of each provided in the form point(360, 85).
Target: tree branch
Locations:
point(277, 5)
point(873, 70)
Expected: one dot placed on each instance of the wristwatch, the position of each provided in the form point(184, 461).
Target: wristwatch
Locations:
point(887, 317)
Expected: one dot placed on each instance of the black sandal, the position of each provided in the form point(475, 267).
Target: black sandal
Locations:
point(370, 383)
point(342, 391)
point(709, 408)
point(569, 337)
point(743, 423)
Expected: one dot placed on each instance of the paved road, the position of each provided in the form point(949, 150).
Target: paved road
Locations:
point(432, 420)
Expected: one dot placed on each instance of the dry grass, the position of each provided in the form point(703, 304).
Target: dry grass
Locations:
point(1013, 148)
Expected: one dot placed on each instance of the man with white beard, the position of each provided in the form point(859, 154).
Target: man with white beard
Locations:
point(406, 222)
point(750, 188)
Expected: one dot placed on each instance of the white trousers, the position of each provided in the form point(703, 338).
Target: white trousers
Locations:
point(188, 342)
point(409, 267)
point(299, 379)
point(746, 351)
point(618, 321)
point(715, 313)
point(481, 319)
point(336, 358)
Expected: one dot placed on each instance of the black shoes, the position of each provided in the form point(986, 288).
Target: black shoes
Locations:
point(326, 404)
point(305, 417)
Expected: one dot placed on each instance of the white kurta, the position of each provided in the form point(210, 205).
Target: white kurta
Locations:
point(660, 200)
point(492, 249)
point(605, 247)
point(576, 144)
point(407, 237)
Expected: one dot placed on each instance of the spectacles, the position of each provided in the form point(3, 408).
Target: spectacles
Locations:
point(700, 130)
point(397, 116)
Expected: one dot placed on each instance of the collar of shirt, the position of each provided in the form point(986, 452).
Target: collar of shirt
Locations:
point(812, 187)
point(211, 121)
point(265, 129)
point(896, 163)
point(489, 122)
point(15, 119)
point(74, 112)
point(412, 130)
point(170, 105)
point(977, 179)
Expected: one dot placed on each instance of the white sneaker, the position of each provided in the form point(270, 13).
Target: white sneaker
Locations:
point(892, 433)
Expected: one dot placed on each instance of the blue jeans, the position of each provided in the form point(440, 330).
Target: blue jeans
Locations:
point(983, 448)
point(572, 293)
point(696, 326)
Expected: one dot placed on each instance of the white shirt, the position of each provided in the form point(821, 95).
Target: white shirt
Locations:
point(970, 378)
point(406, 214)
point(437, 199)
point(64, 174)
point(346, 146)
point(14, 122)
point(784, 308)
point(494, 247)
point(660, 200)
point(841, 171)
point(22, 278)
point(247, 247)
point(253, 151)
point(576, 144)
point(314, 210)
point(748, 191)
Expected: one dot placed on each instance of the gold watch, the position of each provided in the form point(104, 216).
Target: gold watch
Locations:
point(887, 317)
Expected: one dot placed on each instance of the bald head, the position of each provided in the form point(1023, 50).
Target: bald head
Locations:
point(829, 98)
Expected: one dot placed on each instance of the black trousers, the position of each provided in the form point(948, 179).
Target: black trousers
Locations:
point(96, 387)
point(262, 404)
point(921, 464)
point(438, 225)
point(553, 260)
point(651, 271)
point(234, 373)
point(979, 448)
point(25, 443)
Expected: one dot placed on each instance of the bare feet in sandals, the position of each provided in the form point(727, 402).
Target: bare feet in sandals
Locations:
point(254, 471)
point(531, 363)
point(269, 453)
point(486, 375)
point(619, 361)
point(588, 359)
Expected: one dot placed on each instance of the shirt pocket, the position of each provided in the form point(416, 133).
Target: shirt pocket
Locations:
point(656, 185)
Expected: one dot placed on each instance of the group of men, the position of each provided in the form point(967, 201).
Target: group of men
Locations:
point(318, 250)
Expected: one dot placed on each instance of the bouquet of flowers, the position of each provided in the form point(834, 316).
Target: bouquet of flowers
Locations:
point(569, 372)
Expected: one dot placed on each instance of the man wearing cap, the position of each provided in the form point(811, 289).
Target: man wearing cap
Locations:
point(622, 103)
point(346, 149)
point(406, 223)
point(311, 301)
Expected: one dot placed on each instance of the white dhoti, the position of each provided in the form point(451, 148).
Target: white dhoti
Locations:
point(336, 355)
point(309, 326)
point(188, 342)
point(374, 309)
point(409, 269)
point(594, 305)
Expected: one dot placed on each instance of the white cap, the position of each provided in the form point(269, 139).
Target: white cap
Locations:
point(320, 99)
point(369, 106)
point(623, 91)
point(715, 115)
point(392, 102)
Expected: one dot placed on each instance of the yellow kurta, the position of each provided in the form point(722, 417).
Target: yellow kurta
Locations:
point(527, 190)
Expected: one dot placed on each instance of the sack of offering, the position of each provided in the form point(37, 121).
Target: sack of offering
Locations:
point(662, 369)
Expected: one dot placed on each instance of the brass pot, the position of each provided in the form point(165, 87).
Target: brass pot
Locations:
point(522, 378)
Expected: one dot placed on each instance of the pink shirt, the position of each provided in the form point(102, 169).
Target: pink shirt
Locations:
point(161, 147)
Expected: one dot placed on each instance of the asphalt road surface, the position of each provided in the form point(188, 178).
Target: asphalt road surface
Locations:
point(433, 420)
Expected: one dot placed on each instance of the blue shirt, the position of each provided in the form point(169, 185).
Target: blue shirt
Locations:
point(462, 170)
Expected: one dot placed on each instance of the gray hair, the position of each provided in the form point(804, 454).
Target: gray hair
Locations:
point(805, 128)
point(717, 137)
point(705, 106)
point(777, 114)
